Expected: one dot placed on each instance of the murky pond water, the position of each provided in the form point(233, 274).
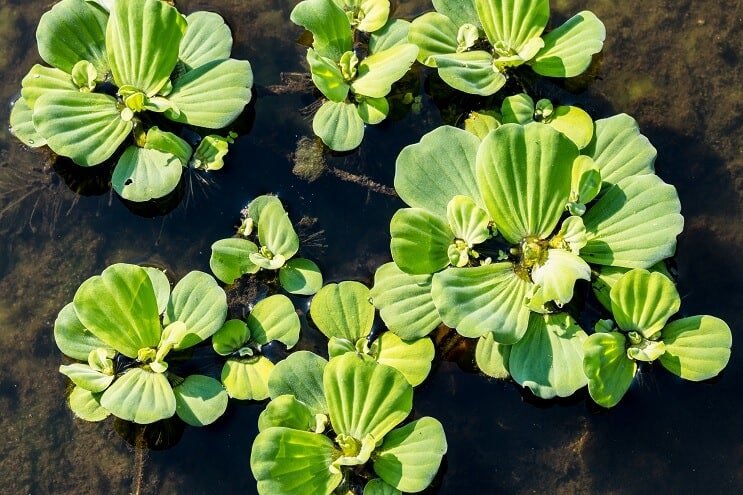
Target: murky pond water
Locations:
point(674, 66)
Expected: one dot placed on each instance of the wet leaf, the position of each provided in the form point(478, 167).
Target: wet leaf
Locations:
point(144, 174)
point(200, 400)
point(230, 259)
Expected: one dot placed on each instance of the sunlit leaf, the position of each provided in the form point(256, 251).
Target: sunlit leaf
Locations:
point(420, 241)
point(339, 125)
point(459, 11)
point(41, 80)
point(605, 277)
point(471, 72)
point(434, 34)
point(22, 125)
point(411, 358)
point(140, 396)
point(200, 400)
point(575, 123)
point(167, 142)
point(286, 411)
point(492, 357)
point(87, 405)
point(367, 15)
point(233, 335)
point(343, 310)
point(247, 379)
point(568, 50)
point(199, 302)
point(300, 276)
point(144, 174)
point(642, 301)
point(609, 370)
point(373, 110)
point(513, 23)
point(71, 336)
point(276, 232)
point(301, 375)
point(394, 33)
point(86, 377)
point(697, 348)
point(379, 71)
point(328, 24)
point(556, 277)
point(207, 38)
point(482, 123)
point(230, 259)
point(274, 318)
point(518, 109)
point(468, 221)
point(327, 76)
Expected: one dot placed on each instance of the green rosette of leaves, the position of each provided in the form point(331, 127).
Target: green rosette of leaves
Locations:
point(493, 242)
point(345, 314)
point(355, 87)
point(115, 67)
point(327, 421)
point(129, 332)
point(267, 222)
point(475, 43)
point(246, 371)
point(695, 348)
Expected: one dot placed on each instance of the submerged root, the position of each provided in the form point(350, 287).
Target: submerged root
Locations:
point(140, 457)
point(363, 181)
point(291, 83)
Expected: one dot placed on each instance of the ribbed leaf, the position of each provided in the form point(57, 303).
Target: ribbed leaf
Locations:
point(286, 461)
point(420, 241)
point(405, 302)
point(301, 375)
point(459, 11)
point(213, 95)
point(85, 127)
point(144, 174)
point(575, 123)
point(207, 38)
point(230, 259)
point(471, 72)
point(161, 286)
point(286, 411)
point(411, 358)
point(343, 310)
point(368, 15)
point(22, 124)
point(119, 307)
point(73, 30)
point(373, 110)
point(609, 370)
point(327, 76)
point(86, 405)
point(140, 396)
point(247, 379)
point(482, 123)
point(142, 40)
point(274, 318)
point(379, 71)
point(276, 232)
point(364, 397)
point(642, 301)
point(410, 456)
point(555, 278)
point(86, 377)
point(200, 400)
point(41, 80)
point(71, 336)
point(524, 177)
point(513, 22)
point(434, 34)
point(697, 348)
point(492, 357)
point(518, 109)
point(468, 221)
point(328, 24)
point(394, 33)
point(199, 302)
point(568, 50)
point(233, 335)
point(489, 298)
point(430, 173)
point(300, 276)
point(634, 224)
point(339, 125)
point(549, 358)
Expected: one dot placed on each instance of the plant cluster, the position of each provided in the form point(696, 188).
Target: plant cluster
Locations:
point(117, 68)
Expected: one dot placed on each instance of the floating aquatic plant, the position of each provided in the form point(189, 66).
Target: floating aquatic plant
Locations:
point(278, 243)
point(117, 67)
point(695, 348)
point(493, 242)
point(354, 82)
point(327, 421)
point(475, 43)
point(246, 371)
point(125, 326)
point(344, 313)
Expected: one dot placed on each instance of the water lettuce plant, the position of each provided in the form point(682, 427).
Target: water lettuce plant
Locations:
point(129, 332)
point(119, 67)
point(245, 372)
point(475, 43)
point(331, 424)
point(278, 243)
point(344, 314)
point(493, 242)
point(694, 348)
point(354, 82)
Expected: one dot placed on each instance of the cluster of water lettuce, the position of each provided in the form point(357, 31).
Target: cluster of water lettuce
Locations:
point(114, 66)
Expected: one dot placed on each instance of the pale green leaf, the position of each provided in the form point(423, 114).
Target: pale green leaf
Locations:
point(169, 143)
point(555, 278)
point(634, 224)
point(585, 183)
point(524, 176)
point(513, 23)
point(86, 377)
point(140, 396)
point(459, 11)
point(434, 34)
point(328, 24)
point(41, 80)
point(327, 76)
point(71, 336)
point(200, 400)
point(379, 71)
point(338, 346)
point(230, 259)
point(22, 125)
point(411, 358)
point(199, 302)
point(549, 358)
point(274, 318)
point(339, 125)
point(301, 375)
point(300, 276)
point(518, 109)
point(379, 487)
point(373, 110)
point(142, 40)
point(85, 127)
point(482, 123)
point(471, 72)
point(256, 207)
point(87, 405)
point(430, 173)
point(211, 152)
point(697, 348)
point(143, 174)
point(247, 379)
point(73, 30)
point(343, 310)
point(276, 232)
point(161, 286)
point(574, 122)
point(207, 38)
point(409, 457)
point(365, 397)
point(394, 33)
point(647, 351)
point(605, 277)
point(568, 50)
point(468, 221)
point(492, 357)
point(286, 411)
point(371, 15)
point(120, 308)
point(405, 302)
point(610, 372)
point(213, 95)
point(642, 301)
point(488, 298)
point(420, 241)
point(233, 335)
point(285, 461)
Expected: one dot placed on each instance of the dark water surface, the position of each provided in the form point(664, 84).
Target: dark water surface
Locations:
point(673, 65)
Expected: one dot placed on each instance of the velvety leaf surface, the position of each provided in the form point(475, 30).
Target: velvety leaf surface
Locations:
point(339, 125)
point(394, 33)
point(434, 34)
point(343, 310)
point(327, 77)
point(609, 370)
point(233, 335)
point(230, 259)
point(199, 302)
point(575, 123)
point(286, 411)
point(87, 405)
point(207, 38)
point(569, 49)
point(274, 318)
point(411, 358)
point(300, 276)
point(379, 71)
point(200, 400)
point(301, 375)
point(470, 72)
point(140, 396)
point(41, 80)
point(379, 487)
point(492, 357)
point(697, 348)
point(328, 24)
point(85, 377)
point(513, 22)
point(468, 221)
point(276, 232)
point(247, 379)
point(71, 336)
point(161, 286)
point(144, 174)
point(459, 11)
point(420, 241)
point(643, 301)
point(22, 125)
